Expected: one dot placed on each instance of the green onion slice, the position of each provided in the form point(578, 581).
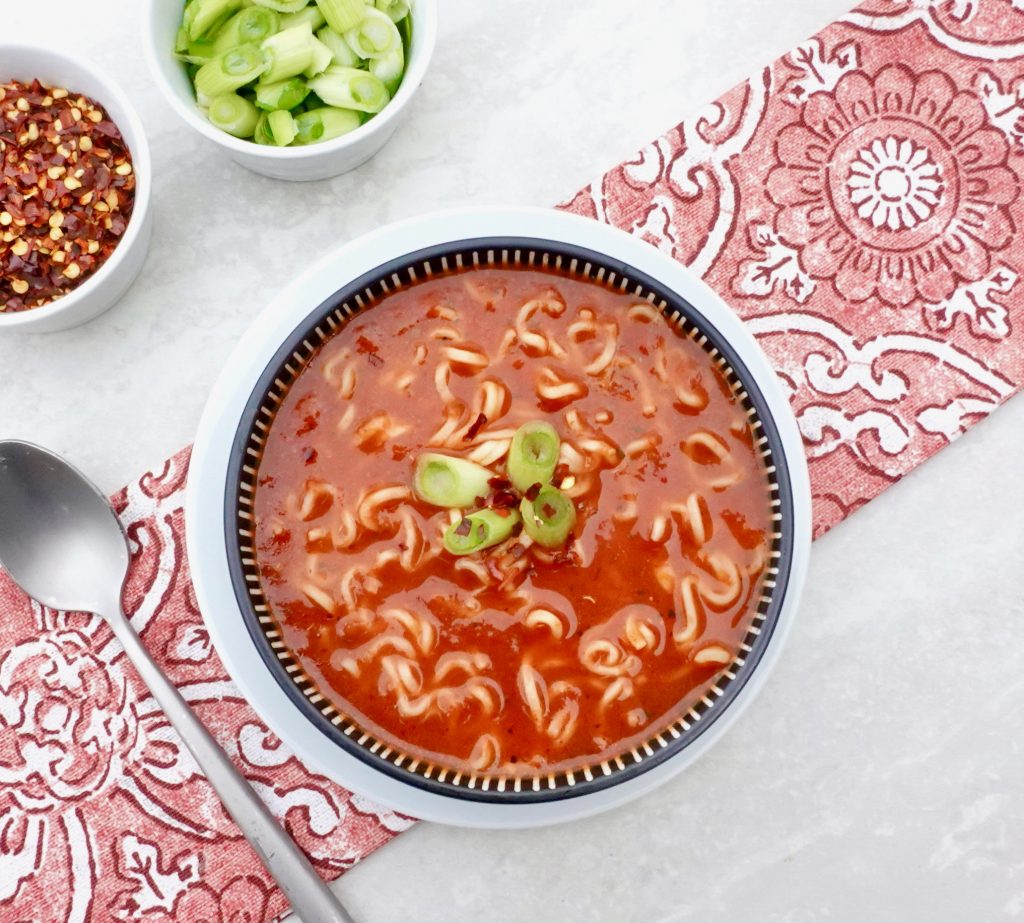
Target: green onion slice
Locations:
point(342, 15)
point(533, 455)
point(388, 69)
point(396, 10)
point(450, 482)
point(351, 88)
point(549, 517)
point(203, 16)
point(234, 114)
point(229, 71)
point(290, 53)
point(251, 25)
point(376, 35)
point(324, 124)
point(310, 14)
point(340, 49)
point(285, 94)
point(480, 530)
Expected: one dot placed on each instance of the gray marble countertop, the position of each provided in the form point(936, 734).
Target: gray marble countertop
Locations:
point(879, 776)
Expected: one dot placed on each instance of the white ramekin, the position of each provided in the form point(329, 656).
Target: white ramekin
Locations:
point(207, 525)
point(161, 20)
point(106, 286)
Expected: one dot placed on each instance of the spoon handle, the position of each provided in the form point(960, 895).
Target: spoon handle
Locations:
point(306, 892)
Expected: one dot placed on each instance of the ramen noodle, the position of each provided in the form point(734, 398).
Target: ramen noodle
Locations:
point(519, 658)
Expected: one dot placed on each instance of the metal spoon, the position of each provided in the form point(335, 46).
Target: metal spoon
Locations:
point(63, 545)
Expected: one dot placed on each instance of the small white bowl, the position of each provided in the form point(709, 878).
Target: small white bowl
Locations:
point(104, 288)
point(161, 21)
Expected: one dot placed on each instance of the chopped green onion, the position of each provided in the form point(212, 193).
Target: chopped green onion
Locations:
point(388, 69)
point(310, 14)
point(229, 71)
point(281, 127)
point(322, 58)
point(533, 455)
point(234, 114)
point(549, 517)
point(282, 6)
point(342, 15)
point(290, 53)
point(276, 129)
point(450, 482)
point(324, 124)
point(181, 41)
point(351, 88)
point(201, 16)
point(396, 10)
point(375, 36)
point(253, 24)
point(340, 49)
point(480, 530)
point(284, 94)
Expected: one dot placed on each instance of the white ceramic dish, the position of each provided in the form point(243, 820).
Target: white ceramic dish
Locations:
point(161, 20)
point(106, 286)
point(217, 443)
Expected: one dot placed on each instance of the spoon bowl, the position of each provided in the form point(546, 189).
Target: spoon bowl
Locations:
point(59, 539)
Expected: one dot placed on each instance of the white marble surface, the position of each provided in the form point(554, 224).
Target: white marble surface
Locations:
point(879, 777)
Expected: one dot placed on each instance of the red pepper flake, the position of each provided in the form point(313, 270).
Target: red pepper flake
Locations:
point(561, 473)
point(67, 190)
point(504, 499)
point(464, 527)
point(548, 510)
point(309, 456)
point(532, 491)
point(503, 513)
point(478, 424)
point(499, 483)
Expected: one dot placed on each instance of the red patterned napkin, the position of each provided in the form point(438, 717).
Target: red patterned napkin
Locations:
point(857, 202)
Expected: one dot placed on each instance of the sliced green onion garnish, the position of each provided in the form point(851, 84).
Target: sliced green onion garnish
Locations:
point(201, 16)
point(480, 530)
point(251, 25)
point(322, 58)
point(533, 455)
point(396, 10)
point(282, 6)
point(324, 123)
point(285, 94)
point(351, 88)
point(549, 517)
point(290, 53)
point(181, 41)
point(229, 71)
point(277, 128)
point(342, 14)
point(234, 114)
point(340, 49)
point(310, 14)
point(388, 69)
point(450, 482)
point(376, 35)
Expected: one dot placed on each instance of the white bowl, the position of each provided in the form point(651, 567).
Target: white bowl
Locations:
point(217, 449)
point(105, 287)
point(161, 20)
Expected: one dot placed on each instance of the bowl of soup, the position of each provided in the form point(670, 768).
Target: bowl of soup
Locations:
point(498, 517)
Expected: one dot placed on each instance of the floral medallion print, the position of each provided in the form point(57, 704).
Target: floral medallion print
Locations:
point(896, 187)
point(857, 203)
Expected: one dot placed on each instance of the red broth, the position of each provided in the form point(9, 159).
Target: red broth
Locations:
point(516, 659)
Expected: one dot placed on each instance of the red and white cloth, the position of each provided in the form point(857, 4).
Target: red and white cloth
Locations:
point(858, 202)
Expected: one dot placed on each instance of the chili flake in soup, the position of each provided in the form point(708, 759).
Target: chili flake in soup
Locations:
point(518, 658)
